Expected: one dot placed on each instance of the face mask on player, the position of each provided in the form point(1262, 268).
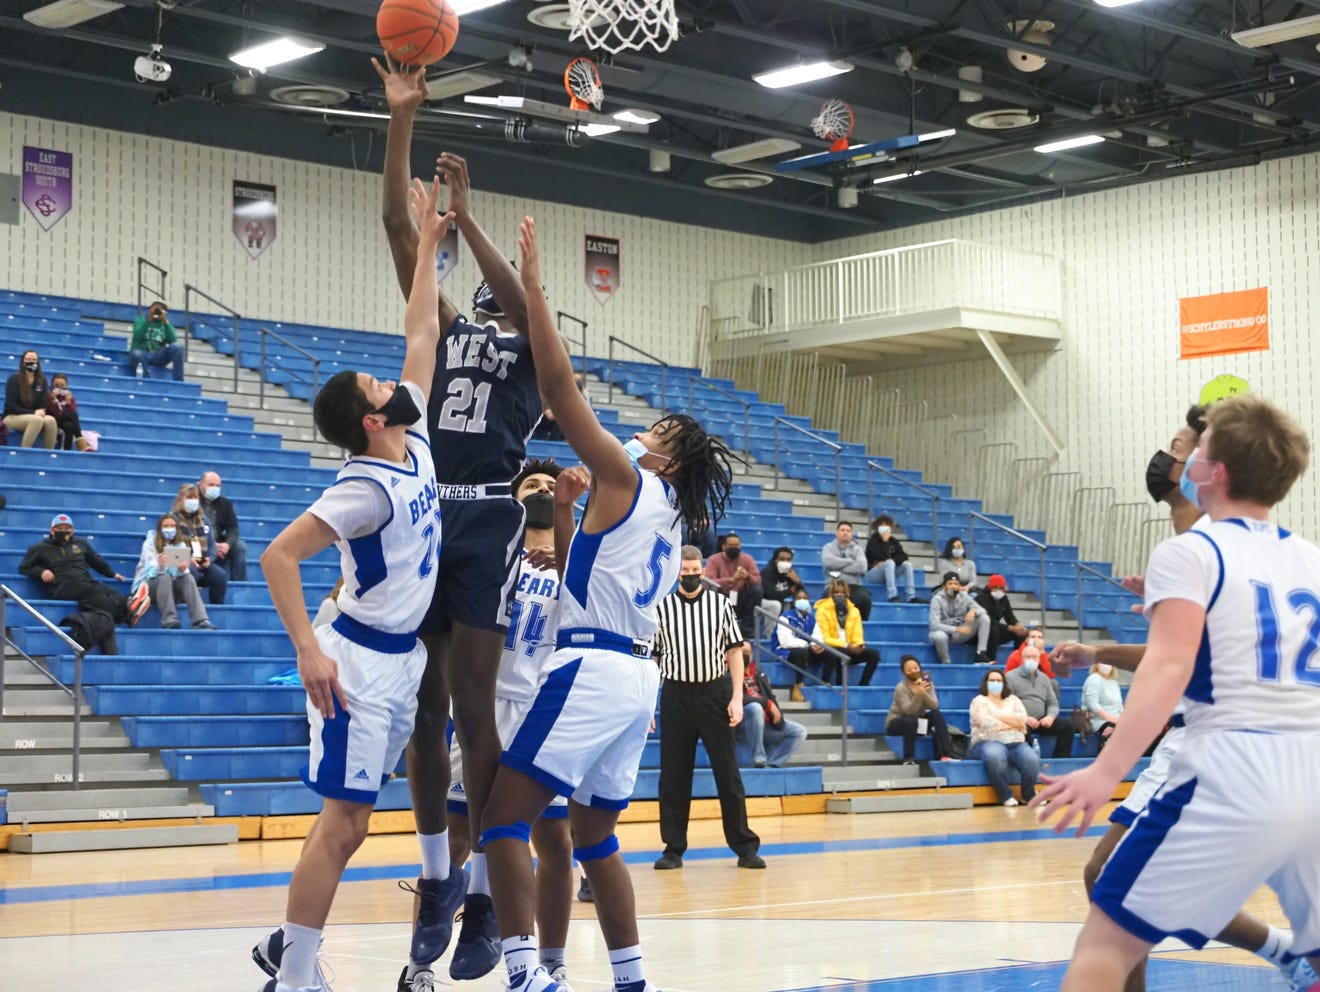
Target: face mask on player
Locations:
point(540, 509)
point(635, 449)
point(1158, 484)
point(400, 409)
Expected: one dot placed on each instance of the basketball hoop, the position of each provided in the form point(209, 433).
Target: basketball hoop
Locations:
point(835, 121)
point(583, 84)
point(614, 25)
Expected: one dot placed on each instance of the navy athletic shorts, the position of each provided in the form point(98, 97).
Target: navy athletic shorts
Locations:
point(480, 550)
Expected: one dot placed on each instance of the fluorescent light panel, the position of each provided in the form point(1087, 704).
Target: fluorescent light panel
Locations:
point(643, 117)
point(754, 150)
point(596, 130)
point(804, 72)
point(948, 132)
point(456, 83)
point(1115, 3)
point(277, 51)
point(895, 177)
point(461, 7)
point(1068, 143)
point(67, 13)
point(1273, 34)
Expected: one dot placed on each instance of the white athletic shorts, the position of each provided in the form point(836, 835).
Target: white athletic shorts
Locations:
point(355, 754)
point(507, 712)
point(1149, 781)
point(584, 733)
point(1239, 810)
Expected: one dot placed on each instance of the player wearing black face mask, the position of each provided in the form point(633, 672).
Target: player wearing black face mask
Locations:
point(1165, 468)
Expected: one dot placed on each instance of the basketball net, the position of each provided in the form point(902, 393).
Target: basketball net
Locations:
point(835, 121)
point(615, 25)
point(583, 84)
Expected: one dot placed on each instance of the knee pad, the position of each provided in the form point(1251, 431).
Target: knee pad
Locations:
point(514, 831)
point(597, 852)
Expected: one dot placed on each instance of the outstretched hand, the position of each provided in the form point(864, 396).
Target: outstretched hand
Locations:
point(1078, 794)
point(1069, 656)
point(424, 205)
point(571, 484)
point(529, 255)
point(405, 89)
point(454, 171)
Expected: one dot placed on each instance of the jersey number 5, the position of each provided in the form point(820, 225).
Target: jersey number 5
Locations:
point(655, 565)
point(464, 408)
point(1267, 619)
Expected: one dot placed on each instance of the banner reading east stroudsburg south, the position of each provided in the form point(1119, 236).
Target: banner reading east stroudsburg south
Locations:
point(1224, 323)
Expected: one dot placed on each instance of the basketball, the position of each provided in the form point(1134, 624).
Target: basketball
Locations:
point(416, 32)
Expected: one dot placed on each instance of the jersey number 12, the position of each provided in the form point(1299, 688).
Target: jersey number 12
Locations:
point(464, 409)
point(1299, 601)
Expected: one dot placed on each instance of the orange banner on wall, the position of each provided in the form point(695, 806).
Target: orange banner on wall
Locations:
point(1224, 323)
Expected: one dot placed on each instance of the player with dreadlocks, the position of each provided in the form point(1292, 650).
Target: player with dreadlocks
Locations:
point(584, 733)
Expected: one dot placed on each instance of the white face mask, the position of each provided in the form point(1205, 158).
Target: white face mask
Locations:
point(996, 594)
point(883, 532)
point(784, 567)
point(957, 552)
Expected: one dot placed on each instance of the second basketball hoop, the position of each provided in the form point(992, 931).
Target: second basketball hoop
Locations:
point(582, 80)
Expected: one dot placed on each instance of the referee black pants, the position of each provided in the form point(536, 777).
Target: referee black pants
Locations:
point(690, 711)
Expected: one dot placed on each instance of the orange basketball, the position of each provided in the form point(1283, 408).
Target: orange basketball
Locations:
point(416, 32)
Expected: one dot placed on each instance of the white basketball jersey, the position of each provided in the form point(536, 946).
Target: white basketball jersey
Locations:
point(614, 578)
point(532, 629)
point(1258, 667)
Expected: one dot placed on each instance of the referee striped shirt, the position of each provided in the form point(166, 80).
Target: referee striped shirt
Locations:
point(694, 636)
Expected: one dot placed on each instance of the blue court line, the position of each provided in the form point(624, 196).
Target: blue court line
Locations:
point(373, 873)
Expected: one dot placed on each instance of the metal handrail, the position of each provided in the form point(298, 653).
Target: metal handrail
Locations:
point(189, 291)
point(838, 473)
point(664, 367)
point(973, 516)
point(930, 494)
point(560, 317)
point(141, 284)
point(842, 658)
point(747, 406)
point(1081, 567)
point(266, 332)
point(7, 594)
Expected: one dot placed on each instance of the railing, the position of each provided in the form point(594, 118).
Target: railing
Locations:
point(836, 448)
point(664, 368)
point(747, 407)
point(973, 517)
point(261, 381)
point(7, 594)
point(931, 494)
point(1081, 600)
point(233, 318)
point(156, 292)
point(581, 340)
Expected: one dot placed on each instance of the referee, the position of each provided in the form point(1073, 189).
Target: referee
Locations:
point(697, 642)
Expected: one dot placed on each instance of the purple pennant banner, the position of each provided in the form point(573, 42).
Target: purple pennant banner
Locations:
point(47, 184)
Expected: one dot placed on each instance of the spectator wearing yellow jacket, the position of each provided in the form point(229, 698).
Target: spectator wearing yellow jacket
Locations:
point(841, 627)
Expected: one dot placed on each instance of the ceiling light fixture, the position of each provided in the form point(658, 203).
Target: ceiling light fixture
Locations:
point(803, 72)
point(895, 177)
point(1115, 3)
point(1068, 143)
point(596, 130)
point(458, 83)
point(461, 7)
point(948, 132)
point(67, 13)
point(631, 116)
point(754, 150)
point(1273, 34)
point(275, 52)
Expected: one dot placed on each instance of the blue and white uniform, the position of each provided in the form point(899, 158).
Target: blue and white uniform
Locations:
point(484, 406)
point(1242, 800)
point(527, 650)
point(584, 734)
point(387, 519)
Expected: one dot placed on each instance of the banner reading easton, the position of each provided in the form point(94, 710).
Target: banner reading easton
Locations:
point(47, 184)
point(602, 267)
point(254, 216)
point(1224, 323)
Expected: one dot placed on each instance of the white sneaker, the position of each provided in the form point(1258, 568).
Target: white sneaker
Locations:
point(1010, 801)
point(560, 975)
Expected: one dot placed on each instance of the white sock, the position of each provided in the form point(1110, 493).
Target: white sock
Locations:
point(298, 965)
point(435, 855)
point(1276, 946)
point(520, 958)
point(552, 957)
point(627, 965)
point(480, 881)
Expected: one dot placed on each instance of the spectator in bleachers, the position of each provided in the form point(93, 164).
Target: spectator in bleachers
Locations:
point(1103, 698)
point(198, 533)
point(843, 558)
point(915, 712)
point(954, 559)
point(1005, 627)
point(167, 582)
point(329, 608)
point(791, 641)
point(1040, 697)
point(781, 581)
point(956, 618)
point(772, 737)
point(155, 343)
point(61, 564)
point(1036, 638)
point(736, 575)
point(999, 738)
point(64, 408)
point(230, 548)
point(840, 623)
point(26, 395)
point(887, 561)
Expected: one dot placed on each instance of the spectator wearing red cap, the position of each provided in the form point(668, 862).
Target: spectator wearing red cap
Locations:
point(62, 565)
point(1004, 624)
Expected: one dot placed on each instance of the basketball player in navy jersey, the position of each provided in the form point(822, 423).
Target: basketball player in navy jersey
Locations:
point(484, 406)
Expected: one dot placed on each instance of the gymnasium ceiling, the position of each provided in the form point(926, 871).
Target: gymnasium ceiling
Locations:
point(1160, 78)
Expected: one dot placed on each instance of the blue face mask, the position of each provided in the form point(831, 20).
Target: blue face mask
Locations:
point(191, 505)
point(1189, 488)
point(168, 533)
point(994, 688)
point(802, 605)
point(635, 449)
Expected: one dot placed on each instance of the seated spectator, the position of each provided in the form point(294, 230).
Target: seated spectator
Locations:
point(328, 611)
point(915, 712)
point(1036, 638)
point(738, 578)
point(772, 738)
point(840, 623)
point(61, 564)
point(26, 396)
point(155, 343)
point(1103, 697)
point(887, 561)
point(780, 581)
point(999, 737)
point(1040, 698)
point(954, 559)
point(197, 532)
point(169, 583)
point(955, 617)
point(791, 641)
point(64, 408)
point(843, 558)
point(1004, 624)
point(230, 548)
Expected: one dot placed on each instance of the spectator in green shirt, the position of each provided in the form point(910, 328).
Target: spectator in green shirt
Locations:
point(155, 343)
